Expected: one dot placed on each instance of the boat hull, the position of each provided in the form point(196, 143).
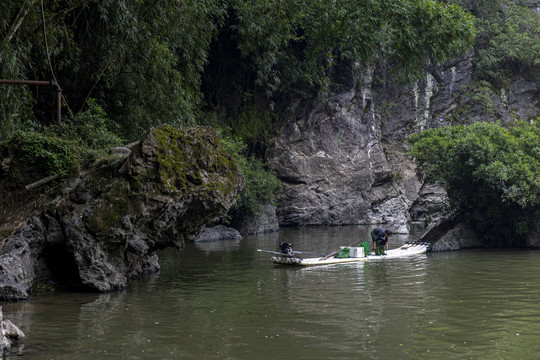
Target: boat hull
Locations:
point(404, 251)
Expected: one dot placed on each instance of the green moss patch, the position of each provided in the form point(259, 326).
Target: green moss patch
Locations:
point(115, 205)
point(193, 158)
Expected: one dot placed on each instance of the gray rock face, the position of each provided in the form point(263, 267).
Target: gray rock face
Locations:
point(108, 224)
point(264, 221)
point(339, 168)
point(9, 333)
point(459, 237)
point(342, 158)
point(217, 233)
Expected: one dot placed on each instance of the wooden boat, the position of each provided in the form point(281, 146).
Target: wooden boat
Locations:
point(403, 251)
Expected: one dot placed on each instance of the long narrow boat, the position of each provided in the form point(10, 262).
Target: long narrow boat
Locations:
point(403, 251)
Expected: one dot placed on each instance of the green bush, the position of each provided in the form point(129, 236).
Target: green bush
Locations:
point(261, 185)
point(62, 149)
point(260, 188)
point(491, 174)
point(44, 155)
point(91, 128)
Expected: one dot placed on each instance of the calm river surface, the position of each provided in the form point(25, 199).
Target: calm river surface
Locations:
point(228, 301)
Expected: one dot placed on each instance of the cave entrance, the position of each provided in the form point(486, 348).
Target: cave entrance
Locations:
point(63, 270)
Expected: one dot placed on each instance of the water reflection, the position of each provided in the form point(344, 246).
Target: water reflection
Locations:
point(228, 301)
point(229, 245)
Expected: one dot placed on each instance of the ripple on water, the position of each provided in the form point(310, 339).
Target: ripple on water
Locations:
point(232, 302)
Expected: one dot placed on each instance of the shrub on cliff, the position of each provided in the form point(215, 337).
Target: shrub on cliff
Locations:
point(60, 149)
point(507, 43)
point(491, 174)
point(33, 155)
point(261, 185)
point(93, 128)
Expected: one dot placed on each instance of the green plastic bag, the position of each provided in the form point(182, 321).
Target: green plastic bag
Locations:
point(365, 245)
point(342, 254)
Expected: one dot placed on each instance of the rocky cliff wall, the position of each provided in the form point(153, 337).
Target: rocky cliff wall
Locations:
point(107, 225)
point(342, 158)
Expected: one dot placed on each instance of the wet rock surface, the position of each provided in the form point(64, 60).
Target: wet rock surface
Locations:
point(217, 233)
point(9, 333)
point(108, 224)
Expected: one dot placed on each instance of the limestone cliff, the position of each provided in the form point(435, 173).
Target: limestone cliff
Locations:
point(107, 225)
point(342, 157)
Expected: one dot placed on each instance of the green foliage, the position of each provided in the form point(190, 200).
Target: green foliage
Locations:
point(261, 186)
point(421, 31)
point(141, 59)
point(148, 56)
point(491, 174)
point(92, 128)
point(16, 102)
point(507, 43)
point(44, 155)
point(62, 149)
point(290, 41)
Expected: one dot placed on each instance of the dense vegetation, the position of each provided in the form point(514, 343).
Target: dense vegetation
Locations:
point(145, 61)
point(125, 66)
point(261, 186)
point(507, 44)
point(491, 174)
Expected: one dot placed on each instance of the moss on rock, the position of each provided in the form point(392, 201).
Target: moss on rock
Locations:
point(169, 164)
point(115, 204)
point(192, 158)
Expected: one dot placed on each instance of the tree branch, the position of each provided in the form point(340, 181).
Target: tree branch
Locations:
point(18, 20)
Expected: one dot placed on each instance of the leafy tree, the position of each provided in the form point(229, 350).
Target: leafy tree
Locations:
point(146, 58)
point(92, 128)
point(141, 60)
point(293, 41)
point(491, 174)
point(16, 102)
point(508, 41)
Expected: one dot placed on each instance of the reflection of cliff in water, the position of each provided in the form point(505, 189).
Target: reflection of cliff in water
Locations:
point(236, 303)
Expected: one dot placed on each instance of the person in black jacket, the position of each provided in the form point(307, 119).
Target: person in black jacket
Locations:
point(380, 240)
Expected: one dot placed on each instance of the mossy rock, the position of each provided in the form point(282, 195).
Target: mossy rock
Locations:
point(114, 205)
point(168, 165)
point(186, 160)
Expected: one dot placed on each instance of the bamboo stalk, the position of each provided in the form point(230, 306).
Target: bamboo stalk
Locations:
point(42, 182)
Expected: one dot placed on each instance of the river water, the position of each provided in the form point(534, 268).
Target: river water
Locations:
point(228, 301)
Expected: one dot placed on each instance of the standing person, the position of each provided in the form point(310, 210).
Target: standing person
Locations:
point(380, 240)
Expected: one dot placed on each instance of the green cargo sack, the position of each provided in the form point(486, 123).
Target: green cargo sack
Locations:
point(365, 245)
point(342, 254)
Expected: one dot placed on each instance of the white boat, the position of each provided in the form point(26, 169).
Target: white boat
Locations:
point(403, 251)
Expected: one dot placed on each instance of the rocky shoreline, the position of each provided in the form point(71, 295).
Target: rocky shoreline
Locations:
point(107, 224)
point(10, 333)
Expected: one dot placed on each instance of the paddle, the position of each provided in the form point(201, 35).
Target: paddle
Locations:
point(335, 252)
point(271, 252)
point(309, 253)
point(295, 252)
